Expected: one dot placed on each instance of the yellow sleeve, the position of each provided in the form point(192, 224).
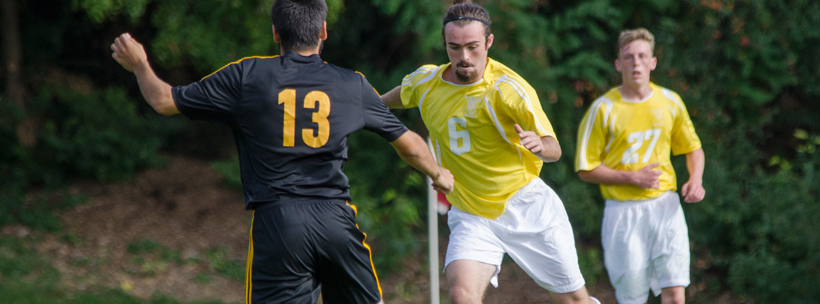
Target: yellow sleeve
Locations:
point(521, 103)
point(684, 137)
point(411, 93)
point(592, 134)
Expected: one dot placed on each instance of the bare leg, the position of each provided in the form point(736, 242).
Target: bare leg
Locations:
point(468, 280)
point(673, 295)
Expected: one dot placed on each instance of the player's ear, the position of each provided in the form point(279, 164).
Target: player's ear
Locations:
point(617, 65)
point(654, 63)
point(323, 34)
point(490, 41)
point(276, 37)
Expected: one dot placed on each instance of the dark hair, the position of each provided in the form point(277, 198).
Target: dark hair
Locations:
point(463, 12)
point(298, 22)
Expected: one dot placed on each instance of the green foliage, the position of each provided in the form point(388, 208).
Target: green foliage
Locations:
point(96, 134)
point(37, 212)
point(190, 30)
point(591, 263)
point(99, 10)
point(762, 229)
point(390, 197)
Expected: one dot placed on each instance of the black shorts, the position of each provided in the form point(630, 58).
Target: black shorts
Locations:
point(299, 248)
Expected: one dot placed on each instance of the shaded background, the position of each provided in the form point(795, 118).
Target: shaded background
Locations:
point(748, 72)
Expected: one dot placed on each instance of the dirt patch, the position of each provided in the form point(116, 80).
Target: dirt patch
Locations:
point(184, 207)
point(187, 209)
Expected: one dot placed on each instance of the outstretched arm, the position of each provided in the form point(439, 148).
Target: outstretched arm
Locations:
point(645, 178)
point(131, 55)
point(392, 99)
point(413, 150)
point(692, 191)
point(545, 148)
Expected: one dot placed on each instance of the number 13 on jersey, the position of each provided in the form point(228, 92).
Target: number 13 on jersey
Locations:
point(313, 100)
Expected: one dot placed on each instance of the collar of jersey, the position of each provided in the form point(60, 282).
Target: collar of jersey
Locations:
point(291, 55)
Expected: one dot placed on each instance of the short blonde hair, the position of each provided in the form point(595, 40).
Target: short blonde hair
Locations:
point(628, 36)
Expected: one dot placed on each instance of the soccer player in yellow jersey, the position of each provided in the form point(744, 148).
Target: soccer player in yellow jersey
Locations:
point(487, 127)
point(624, 144)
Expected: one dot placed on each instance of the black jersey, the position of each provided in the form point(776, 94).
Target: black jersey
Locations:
point(291, 116)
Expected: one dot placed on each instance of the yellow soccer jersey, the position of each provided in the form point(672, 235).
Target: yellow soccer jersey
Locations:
point(628, 136)
point(471, 127)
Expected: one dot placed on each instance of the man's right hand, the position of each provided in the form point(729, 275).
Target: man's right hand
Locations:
point(444, 182)
point(647, 178)
point(128, 52)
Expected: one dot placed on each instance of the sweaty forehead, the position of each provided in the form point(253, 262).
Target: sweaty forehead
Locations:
point(471, 32)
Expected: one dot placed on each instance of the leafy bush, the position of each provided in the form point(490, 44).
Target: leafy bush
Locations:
point(97, 135)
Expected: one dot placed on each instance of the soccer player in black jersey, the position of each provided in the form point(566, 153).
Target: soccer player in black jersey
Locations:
point(291, 116)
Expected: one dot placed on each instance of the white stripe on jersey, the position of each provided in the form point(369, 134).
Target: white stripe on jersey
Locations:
point(524, 95)
point(421, 102)
point(409, 78)
point(671, 95)
point(433, 73)
point(495, 120)
point(438, 153)
point(593, 111)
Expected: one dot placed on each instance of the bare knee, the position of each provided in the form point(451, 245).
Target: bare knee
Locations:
point(461, 295)
point(468, 280)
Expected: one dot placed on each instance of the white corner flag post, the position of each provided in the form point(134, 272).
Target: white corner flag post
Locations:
point(432, 230)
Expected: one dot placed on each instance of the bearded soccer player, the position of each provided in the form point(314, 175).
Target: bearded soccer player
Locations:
point(291, 116)
point(487, 126)
point(624, 145)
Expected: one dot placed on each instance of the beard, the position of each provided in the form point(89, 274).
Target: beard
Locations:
point(466, 76)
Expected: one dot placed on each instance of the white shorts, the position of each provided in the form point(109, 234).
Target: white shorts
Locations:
point(646, 246)
point(533, 230)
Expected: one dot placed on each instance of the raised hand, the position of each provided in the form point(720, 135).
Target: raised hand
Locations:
point(128, 52)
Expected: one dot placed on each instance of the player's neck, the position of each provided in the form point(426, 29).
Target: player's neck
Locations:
point(306, 53)
point(635, 93)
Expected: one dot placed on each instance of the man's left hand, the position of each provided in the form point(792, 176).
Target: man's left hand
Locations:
point(530, 140)
point(692, 192)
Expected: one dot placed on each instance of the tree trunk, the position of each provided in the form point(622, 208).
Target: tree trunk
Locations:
point(12, 52)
